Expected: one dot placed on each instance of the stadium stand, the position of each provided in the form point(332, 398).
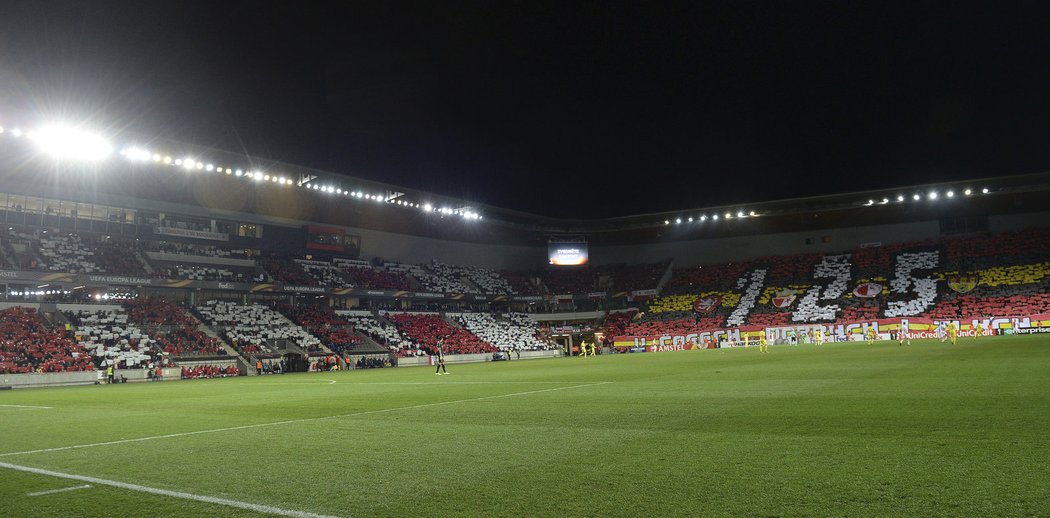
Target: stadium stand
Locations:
point(1010, 275)
point(331, 329)
point(252, 328)
point(110, 338)
point(426, 329)
point(27, 345)
point(173, 330)
point(67, 253)
point(383, 333)
point(513, 331)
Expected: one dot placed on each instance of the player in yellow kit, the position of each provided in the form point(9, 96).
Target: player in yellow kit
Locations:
point(763, 344)
point(953, 332)
point(871, 335)
point(978, 331)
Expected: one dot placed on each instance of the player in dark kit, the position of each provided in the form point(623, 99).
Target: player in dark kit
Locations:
point(440, 359)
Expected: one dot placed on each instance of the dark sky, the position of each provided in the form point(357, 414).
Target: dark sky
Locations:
point(567, 109)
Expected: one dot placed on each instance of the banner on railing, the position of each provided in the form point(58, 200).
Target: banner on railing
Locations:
point(887, 328)
point(196, 234)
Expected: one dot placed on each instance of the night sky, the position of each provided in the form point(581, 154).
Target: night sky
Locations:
point(565, 109)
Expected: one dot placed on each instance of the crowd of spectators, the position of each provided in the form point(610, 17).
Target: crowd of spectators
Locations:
point(209, 371)
point(175, 331)
point(513, 331)
point(253, 328)
point(425, 330)
point(333, 331)
point(383, 333)
point(108, 335)
point(27, 345)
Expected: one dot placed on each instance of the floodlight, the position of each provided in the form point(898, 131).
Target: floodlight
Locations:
point(68, 142)
point(729, 215)
point(900, 197)
point(209, 168)
point(885, 201)
point(933, 195)
point(16, 132)
point(167, 160)
point(156, 157)
point(199, 166)
point(690, 219)
point(667, 222)
point(703, 218)
point(715, 217)
point(178, 161)
point(968, 192)
point(678, 220)
point(753, 214)
point(916, 197)
point(984, 191)
point(950, 194)
point(240, 173)
point(740, 214)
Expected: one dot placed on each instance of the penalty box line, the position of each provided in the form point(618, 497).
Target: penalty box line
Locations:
point(165, 492)
point(293, 421)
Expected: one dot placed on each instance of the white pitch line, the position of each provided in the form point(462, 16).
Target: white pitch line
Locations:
point(63, 490)
point(292, 421)
point(367, 383)
point(26, 406)
point(164, 492)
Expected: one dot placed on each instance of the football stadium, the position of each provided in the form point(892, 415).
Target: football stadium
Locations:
point(185, 335)
point(195, 329)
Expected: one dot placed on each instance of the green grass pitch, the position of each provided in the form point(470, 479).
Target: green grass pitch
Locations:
point(835, 430)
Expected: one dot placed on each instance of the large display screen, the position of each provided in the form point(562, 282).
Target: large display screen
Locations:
point(567, 254)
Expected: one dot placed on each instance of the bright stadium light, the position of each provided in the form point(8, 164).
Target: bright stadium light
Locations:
point(900, 197)
point(678, 220)
point(933, 195)
point(885, 201)
point(690, 219)
point(16, 132)
point(950, 194)
point(984, 191)
point(715, 217)
point(703, 217)
point(70, 143)
point(740, 214)
point(916, 197)
point(968, 192)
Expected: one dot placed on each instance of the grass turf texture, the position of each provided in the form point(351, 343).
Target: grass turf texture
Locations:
point(835, 430)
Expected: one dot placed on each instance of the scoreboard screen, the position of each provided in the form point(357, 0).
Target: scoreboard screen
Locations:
point(567, 254)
